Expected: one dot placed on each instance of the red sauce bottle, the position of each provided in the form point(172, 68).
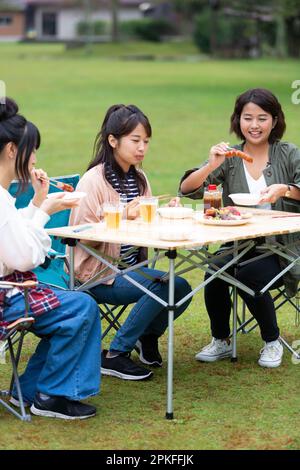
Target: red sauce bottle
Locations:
point(212, 197)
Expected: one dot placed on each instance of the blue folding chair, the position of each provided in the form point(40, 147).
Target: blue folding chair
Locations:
point(51, 272)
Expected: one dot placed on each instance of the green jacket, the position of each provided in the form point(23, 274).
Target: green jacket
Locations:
point(283, 167)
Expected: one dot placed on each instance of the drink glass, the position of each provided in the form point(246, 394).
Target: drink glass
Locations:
point(112, 213)
point(148, 206)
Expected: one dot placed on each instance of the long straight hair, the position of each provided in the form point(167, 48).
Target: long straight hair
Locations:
point(24, 134)
point(119, 121)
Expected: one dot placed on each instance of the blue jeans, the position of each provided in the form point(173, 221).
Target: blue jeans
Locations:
point(67, 359)
point(147, 316)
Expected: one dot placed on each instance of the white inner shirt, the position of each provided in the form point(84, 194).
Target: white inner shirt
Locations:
point(256, 186)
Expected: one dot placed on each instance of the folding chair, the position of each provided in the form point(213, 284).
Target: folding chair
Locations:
point(52, 271)
point(280, 298)
point(7, 331)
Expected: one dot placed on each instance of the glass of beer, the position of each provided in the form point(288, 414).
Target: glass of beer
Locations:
point(148, 206)
point(112, 213)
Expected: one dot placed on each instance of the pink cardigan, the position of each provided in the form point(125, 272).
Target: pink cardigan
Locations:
point(98, 191)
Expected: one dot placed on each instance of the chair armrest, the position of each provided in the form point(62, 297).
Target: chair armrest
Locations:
point(23, 285)
point(21, 324)
point(53, 254)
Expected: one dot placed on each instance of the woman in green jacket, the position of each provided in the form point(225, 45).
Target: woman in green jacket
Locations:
point(259, 122)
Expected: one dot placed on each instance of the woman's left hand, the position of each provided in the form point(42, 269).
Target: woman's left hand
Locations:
point(272, 193)
point(40, 184)
point(174, 202)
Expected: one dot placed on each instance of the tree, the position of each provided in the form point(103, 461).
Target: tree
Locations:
point(114, 8)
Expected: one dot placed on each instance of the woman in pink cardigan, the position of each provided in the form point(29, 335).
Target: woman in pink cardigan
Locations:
point(119, 150)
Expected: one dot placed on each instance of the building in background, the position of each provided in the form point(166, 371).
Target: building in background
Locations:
point(57, 20)
point(12, 20)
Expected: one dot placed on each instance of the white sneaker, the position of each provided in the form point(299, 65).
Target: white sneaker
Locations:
point(217, 349)
point(14, 401)
point(271, 354)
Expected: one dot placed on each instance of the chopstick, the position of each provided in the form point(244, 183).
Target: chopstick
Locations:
point(52, 182)
point(59, 184)
point(161, 197)
point(281, 216)
point(54, 185)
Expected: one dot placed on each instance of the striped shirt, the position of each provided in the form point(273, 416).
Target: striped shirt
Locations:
point(128, 191)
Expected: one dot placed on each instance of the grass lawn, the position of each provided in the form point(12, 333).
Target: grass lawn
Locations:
point(189, 103)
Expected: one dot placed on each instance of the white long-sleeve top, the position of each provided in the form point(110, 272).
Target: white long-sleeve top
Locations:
point(24, 242)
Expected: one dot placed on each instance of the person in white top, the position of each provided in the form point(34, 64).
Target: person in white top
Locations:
point(65, 367)
point(274, 172)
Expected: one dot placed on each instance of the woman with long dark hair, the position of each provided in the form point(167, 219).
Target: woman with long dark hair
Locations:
point(258, 120)
point(65, 367)
point(115, 170)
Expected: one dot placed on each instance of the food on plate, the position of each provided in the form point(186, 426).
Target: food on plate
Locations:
point(224, 213)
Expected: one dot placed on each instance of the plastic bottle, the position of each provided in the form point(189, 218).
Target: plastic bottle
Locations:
point(212, 197)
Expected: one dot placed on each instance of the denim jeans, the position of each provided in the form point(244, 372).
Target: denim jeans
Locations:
point(147, 316)
point(67, 359)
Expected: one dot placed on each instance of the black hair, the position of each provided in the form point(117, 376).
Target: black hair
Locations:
point(24, 134)
point(119, 121)
point(265, 100)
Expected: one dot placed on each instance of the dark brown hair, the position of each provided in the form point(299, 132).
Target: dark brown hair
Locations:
point(24, 134)
point(265, 100)
point(119, 121)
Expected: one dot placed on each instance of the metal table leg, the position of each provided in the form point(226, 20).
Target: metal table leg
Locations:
point(171, 255)
point(235, 313)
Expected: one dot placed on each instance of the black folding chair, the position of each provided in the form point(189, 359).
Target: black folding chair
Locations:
point(280, 299)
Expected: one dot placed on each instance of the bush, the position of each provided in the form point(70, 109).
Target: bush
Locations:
point(202, 32)
point(93, 28)
point(236, 37)
point(147, 29)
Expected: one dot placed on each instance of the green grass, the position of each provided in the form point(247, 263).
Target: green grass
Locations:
point(217, 406)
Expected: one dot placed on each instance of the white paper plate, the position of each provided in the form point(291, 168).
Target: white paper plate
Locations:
point(245, 199)
point(175, 212)
point(225, 222)
point(67, 195)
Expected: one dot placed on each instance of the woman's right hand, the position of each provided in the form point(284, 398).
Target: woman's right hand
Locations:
point(57, 204)
point(132, 209)
point(217, 155)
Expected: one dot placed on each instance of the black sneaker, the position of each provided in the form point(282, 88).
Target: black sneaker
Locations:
point(61, 407)
point(123, 367)
point(148, 349)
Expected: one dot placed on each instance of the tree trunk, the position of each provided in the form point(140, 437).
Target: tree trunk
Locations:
point(281, 46)
point(114, 20)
